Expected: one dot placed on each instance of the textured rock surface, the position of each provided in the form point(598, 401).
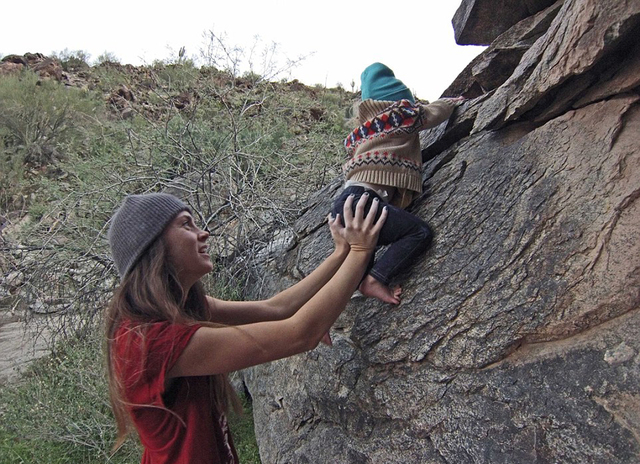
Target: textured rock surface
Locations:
point(493, 67)
point(585, 40)
point(479, 22)
point(517, 339)
point(44, 67)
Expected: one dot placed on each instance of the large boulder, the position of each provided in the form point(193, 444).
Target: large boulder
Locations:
point(45, 68)
point(479, 22)
point(494, 66)
point(585, 43)
point(517, 337)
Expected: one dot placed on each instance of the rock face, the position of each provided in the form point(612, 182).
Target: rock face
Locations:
point(479, 22)
point(44, 67)
point(518, 336)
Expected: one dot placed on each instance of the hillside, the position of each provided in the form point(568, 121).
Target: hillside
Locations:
point(245, 152)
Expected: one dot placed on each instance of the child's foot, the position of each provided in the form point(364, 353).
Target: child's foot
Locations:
point(371, 287)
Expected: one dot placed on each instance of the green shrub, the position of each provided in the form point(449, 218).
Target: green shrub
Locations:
point(107, 57)
point(73, 60)
point(176, 77)
point(41, 123)
point(39, 118)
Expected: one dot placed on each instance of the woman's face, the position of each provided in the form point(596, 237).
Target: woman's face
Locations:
point(187, 249)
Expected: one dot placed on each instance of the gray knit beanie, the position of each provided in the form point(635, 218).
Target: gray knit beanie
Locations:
point(137, 223)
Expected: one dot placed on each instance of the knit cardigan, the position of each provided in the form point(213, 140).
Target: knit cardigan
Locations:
point(385, 148)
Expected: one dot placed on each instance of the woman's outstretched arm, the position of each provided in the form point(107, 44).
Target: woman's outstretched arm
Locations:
point(287, 302)
point(226, 349)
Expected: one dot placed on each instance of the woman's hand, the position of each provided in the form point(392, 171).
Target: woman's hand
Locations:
point(360, 230)
point(339, 241)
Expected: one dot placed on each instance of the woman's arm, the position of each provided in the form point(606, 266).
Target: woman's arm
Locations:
point(285, 303)
point(225, 349)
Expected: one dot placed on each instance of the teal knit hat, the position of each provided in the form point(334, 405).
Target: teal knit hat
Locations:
point(379, 83)
point(137, 223)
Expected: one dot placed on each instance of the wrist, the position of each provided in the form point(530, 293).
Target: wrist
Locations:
point(342, 249)
point(361, 249)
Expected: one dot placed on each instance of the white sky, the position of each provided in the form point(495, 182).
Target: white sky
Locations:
point(339, 38)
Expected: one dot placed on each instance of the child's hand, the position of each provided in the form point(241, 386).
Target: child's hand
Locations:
point(361, 231)
point(456, 100)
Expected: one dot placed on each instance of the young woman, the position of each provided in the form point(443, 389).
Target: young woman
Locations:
point(170, 346)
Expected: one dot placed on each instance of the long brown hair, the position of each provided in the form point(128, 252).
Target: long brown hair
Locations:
point(151, 292)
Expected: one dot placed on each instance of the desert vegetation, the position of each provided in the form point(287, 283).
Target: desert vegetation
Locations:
point(245, 149)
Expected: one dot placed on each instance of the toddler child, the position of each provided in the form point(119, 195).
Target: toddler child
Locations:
point(385, 164)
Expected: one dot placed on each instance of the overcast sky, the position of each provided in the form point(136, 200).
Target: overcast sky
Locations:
point(337, 38)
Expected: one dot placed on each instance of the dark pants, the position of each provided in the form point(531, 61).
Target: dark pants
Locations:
point(407, 235)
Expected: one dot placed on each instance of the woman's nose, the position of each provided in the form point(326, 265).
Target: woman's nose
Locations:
point(204, 234)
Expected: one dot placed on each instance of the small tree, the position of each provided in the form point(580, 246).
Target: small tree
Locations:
point(75, 60)
point(107, 57)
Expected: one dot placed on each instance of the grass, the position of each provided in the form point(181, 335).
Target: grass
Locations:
point(58, 412)
point(243, 435)
point(17, 451)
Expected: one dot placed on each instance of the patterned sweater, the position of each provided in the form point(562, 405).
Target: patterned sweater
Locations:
point(385, 148)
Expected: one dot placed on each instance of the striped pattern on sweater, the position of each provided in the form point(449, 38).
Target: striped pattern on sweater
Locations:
point(402, 116)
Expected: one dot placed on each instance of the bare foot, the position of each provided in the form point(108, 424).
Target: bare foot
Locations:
point(370, 287)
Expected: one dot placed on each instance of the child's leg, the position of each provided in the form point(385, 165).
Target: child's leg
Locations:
point(408, 236)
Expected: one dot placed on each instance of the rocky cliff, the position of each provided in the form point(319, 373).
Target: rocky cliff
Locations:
point(517, 340)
